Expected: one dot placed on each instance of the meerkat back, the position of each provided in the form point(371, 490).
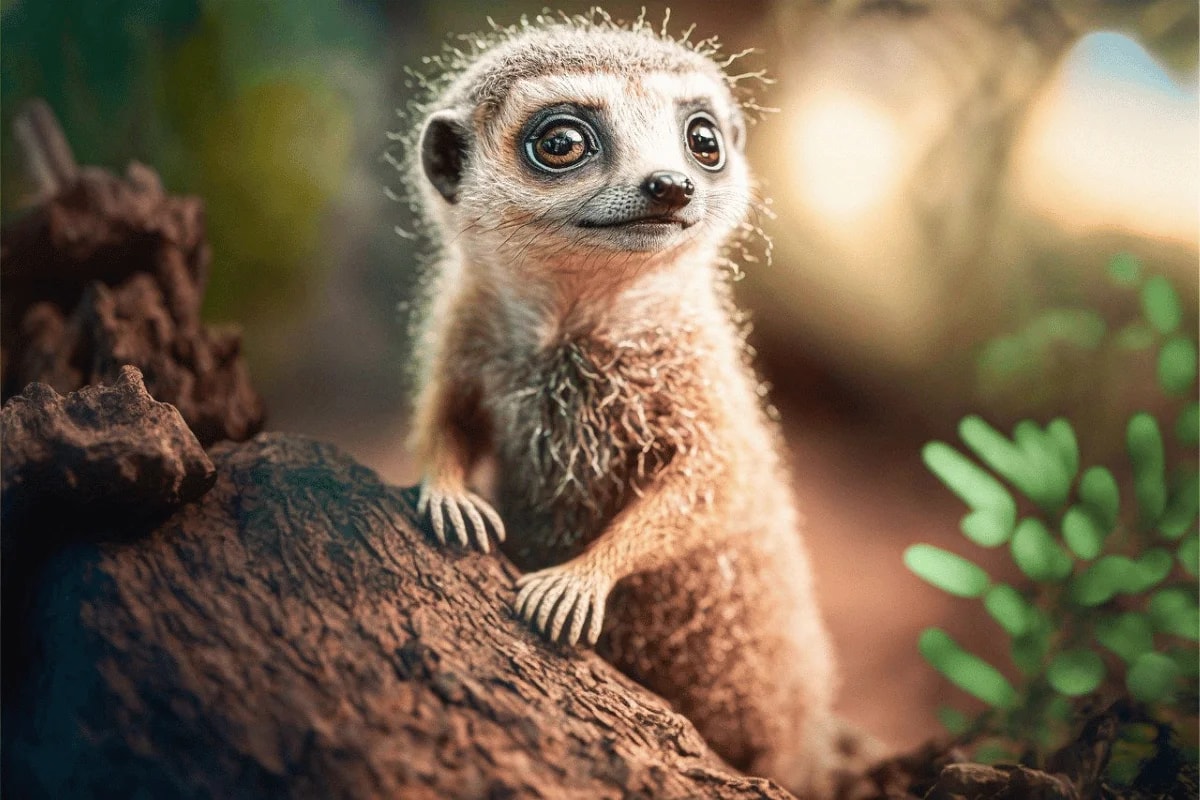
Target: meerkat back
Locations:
point(585, 180)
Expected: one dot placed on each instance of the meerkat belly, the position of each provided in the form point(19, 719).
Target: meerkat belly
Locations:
point(581, 429)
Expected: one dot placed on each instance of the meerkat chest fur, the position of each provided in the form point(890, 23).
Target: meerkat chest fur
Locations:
point(589, 419)
point(584, 181)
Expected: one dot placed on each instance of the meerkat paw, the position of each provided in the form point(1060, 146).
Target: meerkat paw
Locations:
point(459, 515)
point(561, 600)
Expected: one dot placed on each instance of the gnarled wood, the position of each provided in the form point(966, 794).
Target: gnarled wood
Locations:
point(104, 449)
point(110, 271)
point(292, 635)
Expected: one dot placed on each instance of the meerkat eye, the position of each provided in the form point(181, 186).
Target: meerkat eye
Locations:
point(703, 139)
point(560, 144)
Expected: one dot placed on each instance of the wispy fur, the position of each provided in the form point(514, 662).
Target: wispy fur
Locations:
point(432, 85)
point(606, 371)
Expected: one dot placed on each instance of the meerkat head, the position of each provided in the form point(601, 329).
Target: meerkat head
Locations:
point(570, 143)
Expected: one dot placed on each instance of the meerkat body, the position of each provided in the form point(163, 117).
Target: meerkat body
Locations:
point(583, 179)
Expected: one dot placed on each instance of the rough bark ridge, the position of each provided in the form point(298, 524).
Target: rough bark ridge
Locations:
point(291, 635)
point(102, 449)
point(109, 272)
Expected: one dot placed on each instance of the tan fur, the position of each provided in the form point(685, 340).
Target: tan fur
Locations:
point(639, 476)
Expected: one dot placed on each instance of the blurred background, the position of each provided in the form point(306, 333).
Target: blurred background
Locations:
point(949, 183)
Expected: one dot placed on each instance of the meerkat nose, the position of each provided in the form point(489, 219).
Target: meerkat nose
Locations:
point(673, 189)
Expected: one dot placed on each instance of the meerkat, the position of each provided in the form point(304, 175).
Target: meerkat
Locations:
point(583, 178)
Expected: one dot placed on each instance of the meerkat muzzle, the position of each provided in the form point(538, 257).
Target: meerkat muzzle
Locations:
point(670, 190)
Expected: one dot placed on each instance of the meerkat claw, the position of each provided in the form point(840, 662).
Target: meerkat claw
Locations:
point(556, 590)
point(568, 607)
point(563, 599)
point(489, 513)
point(453, 515)
point(477, 527)
point(467, 516)
point(429, 502)
point(529, 597)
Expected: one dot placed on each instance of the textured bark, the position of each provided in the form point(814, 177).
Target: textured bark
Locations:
point(102, 449)
point(292, 635)
point(1076, 771)
point(108, 272)
point(912, 775)
point(1001, 783)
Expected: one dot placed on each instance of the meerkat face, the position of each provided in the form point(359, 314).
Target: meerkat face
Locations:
point(579, 166)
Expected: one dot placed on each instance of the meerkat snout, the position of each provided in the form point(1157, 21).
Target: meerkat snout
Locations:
point(670, 190)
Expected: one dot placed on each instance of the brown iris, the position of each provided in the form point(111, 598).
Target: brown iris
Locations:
point(704, 142)
point(560, 146)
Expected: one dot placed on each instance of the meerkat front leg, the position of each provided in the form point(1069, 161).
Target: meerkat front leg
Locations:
point(447, 441)
point(666, 522)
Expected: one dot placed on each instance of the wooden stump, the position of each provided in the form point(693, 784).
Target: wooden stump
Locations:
point(291, 634)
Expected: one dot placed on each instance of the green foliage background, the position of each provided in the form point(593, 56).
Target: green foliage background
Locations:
point(248, 104)
point(1109, 604)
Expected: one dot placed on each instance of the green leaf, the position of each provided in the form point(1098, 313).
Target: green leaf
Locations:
point(1098, 490)
point(946, 571)
point(1152, 677)
point(1187, 659)
point(1029, 650)
point(1174, 611)
point(1128, 635)
point(1050, 484)
point(1183, 505)
point(1126, 763)
point(1143, 733)
point(1189, 555)
point(1009, 609)
point(995, 450)
point(1135, 336)
point(1060, 708)
point(968, 672)
point(1081, 533)
point(1100, 582)
point(954, 721)
point(1081, 327)
point(1062, 434)
point(1075, 672)
point(973, 485)
point(1145, 445)
point(1037, 554)
point(1177, 365)
point(1006, 357)
point(1160, 305)
point(1151, 568)
point(1187, 427)
point(1125, 269)
point(995, 753)
point(987, 527)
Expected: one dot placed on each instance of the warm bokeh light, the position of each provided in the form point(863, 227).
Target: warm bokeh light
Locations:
point(847, 156)
point(1112, 145)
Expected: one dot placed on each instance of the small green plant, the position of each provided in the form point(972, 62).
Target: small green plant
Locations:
point(1109, 600)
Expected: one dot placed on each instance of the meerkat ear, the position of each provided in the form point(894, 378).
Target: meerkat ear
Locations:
point(444, 152)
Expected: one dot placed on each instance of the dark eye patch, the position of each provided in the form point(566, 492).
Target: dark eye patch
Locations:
point(561, 138)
